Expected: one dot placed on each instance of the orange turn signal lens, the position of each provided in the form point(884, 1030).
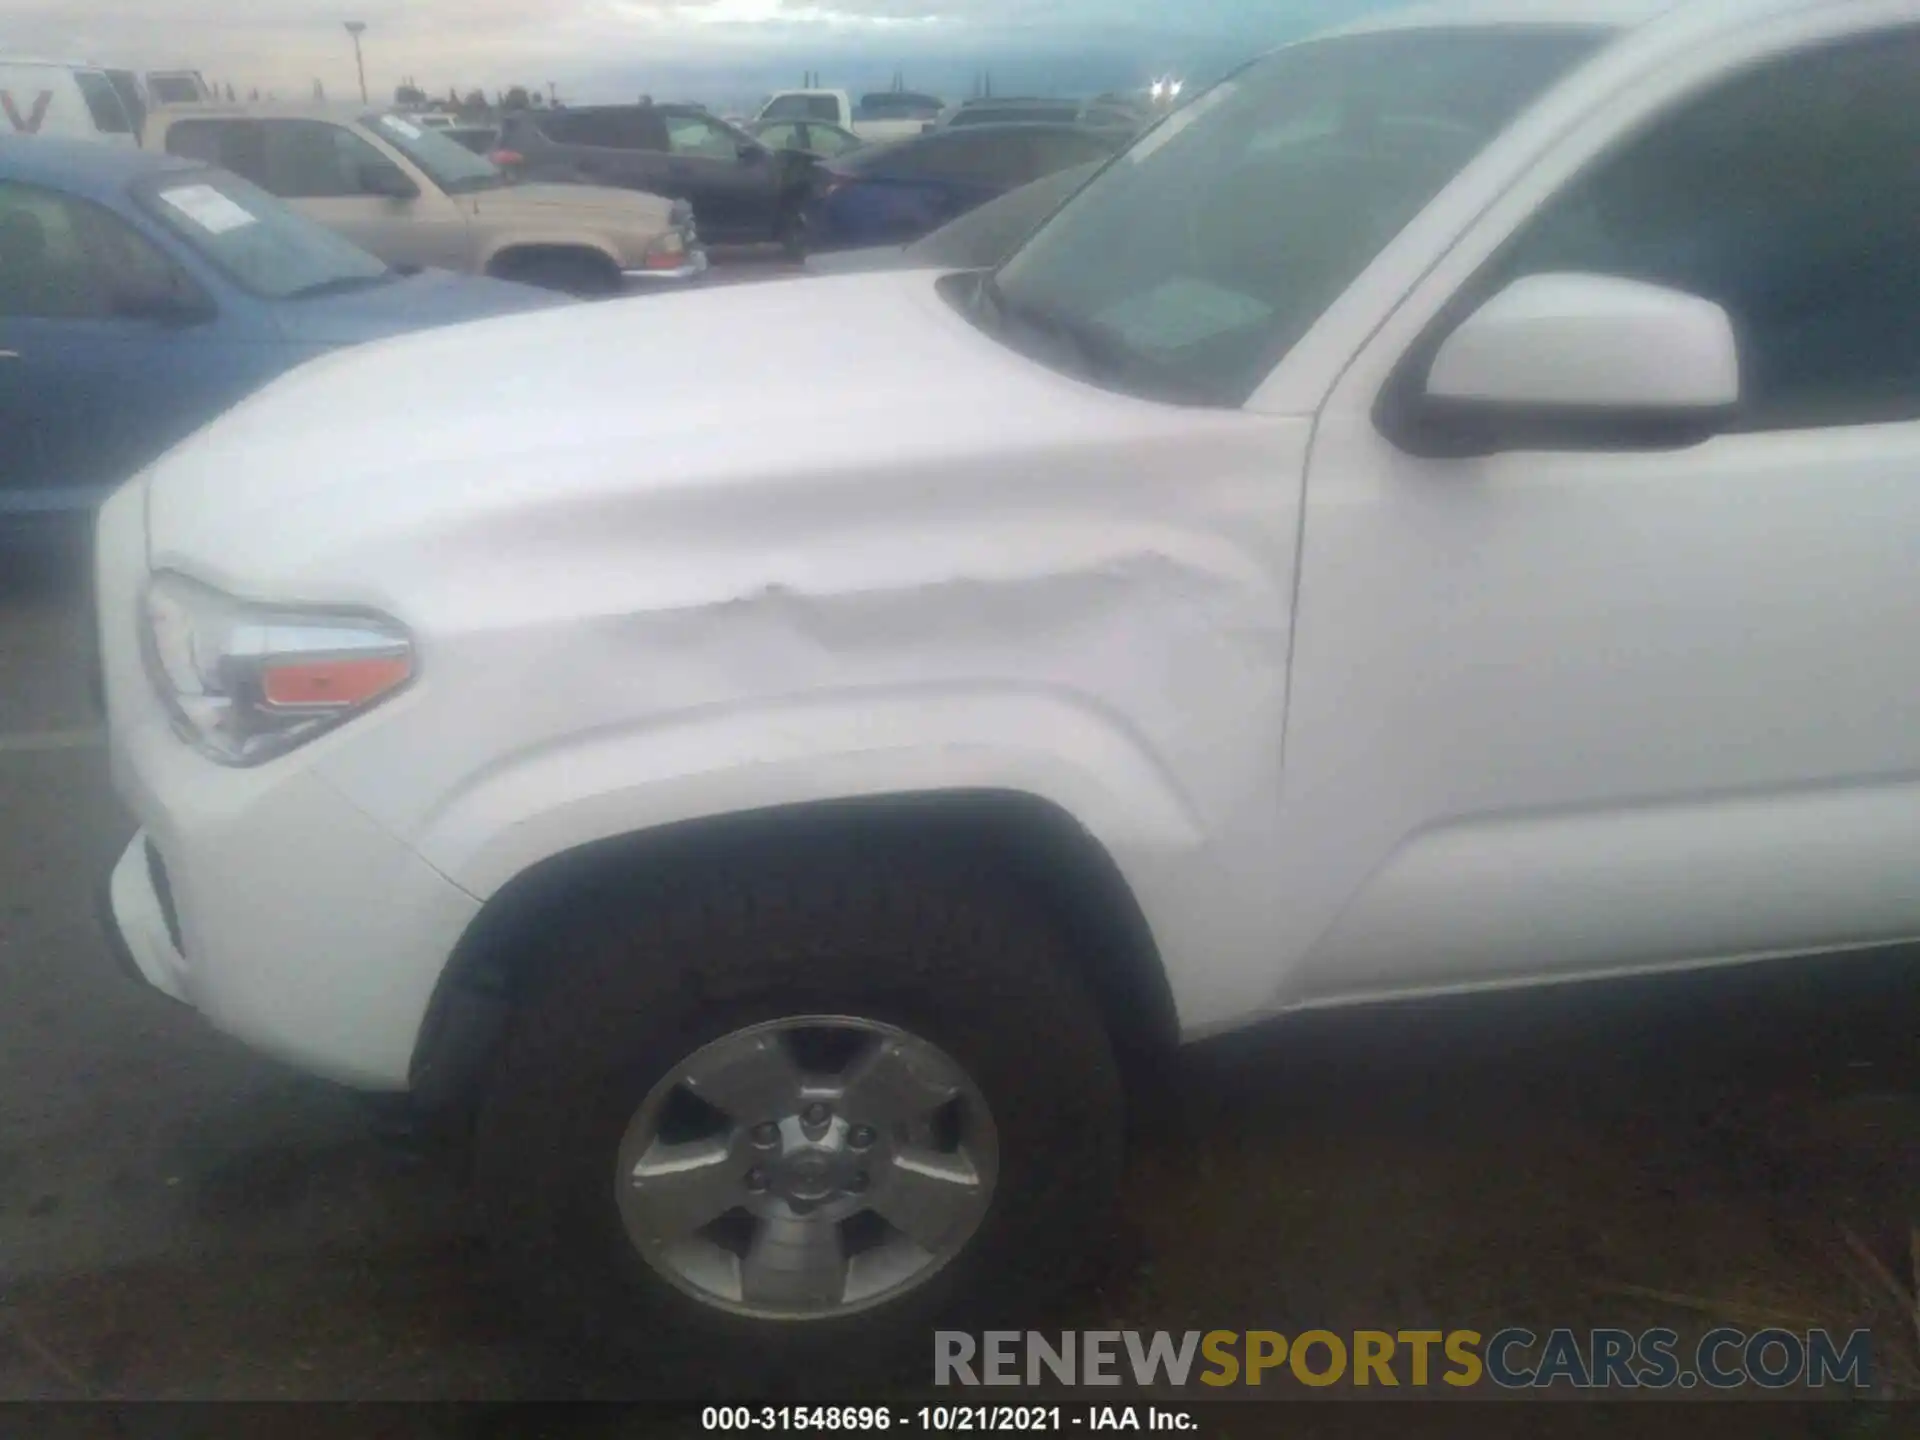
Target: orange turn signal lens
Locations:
point(332, 684)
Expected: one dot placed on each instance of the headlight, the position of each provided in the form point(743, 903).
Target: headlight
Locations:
point(668, 252)
point(245, 683)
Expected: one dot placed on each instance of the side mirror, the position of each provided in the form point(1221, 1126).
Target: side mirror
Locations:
point(750, 153)
point(1574, 362)
point(387, 180)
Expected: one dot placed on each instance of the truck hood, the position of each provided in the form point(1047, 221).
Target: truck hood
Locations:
point(600, 204)
point(416, 302)
point(510, 447)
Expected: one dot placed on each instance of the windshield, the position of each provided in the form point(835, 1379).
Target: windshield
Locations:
point(985, 236)
point(264, 246)
point(1199, 257)
point(173, 89)
point(453, 167)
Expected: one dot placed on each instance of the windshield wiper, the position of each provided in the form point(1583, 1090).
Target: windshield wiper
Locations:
point(341, 284)
point(472, 183)
point(1098, 351)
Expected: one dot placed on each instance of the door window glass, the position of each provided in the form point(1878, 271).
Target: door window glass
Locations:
point(45, 269)
point(312, 160)
point(1791, 197)
point(699, 137)
point(236, 145)
point(103, 103)
point(802, 107)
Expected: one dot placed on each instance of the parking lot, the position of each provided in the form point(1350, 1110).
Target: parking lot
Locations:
point(180, 1219)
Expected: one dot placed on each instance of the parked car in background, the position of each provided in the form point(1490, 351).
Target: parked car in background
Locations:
point(978, 240)
point(142, 294)
point(1008, 110)
point(820, 138)
point(1102, 114)
point(415, 198)
point(741, 190)
point(836, 107)
point(893, 194)
point(1443, 519)
point(53, 98)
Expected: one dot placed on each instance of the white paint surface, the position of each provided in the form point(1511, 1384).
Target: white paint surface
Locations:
point(1349, 722)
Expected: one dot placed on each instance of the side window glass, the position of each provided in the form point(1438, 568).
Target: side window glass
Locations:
point(236, 145)
point(1791, 197)
point(103, 103)
point(693, 136)
point(636, 128)
point(587, 127)
point(46, 271)
point(313, 160)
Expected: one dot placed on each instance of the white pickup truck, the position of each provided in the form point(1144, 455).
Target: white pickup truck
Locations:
point(836, 107)
point(1468, 542)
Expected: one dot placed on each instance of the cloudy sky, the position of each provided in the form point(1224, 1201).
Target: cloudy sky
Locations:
point(610, 49)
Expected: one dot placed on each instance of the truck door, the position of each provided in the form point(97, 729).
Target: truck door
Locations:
point(1594, 704)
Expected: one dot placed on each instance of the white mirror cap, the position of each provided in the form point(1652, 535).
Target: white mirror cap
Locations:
point(1591, 342)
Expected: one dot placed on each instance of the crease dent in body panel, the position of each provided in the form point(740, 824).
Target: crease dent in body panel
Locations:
point(1119, 625)
point(1136, 642)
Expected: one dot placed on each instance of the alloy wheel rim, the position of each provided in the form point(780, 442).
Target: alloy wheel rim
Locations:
point(807, 1168)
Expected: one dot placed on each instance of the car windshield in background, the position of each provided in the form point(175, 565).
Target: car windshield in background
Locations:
point(802, 107)
point(1195, 261)
point(898, 105)
point(172, 91)
point(265, 247)
point(454, 168)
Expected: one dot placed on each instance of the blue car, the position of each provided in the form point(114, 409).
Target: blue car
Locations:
point(894, 194)
point(141, 295)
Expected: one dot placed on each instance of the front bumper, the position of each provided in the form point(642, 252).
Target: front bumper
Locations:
point(262, 897)
point(138, 924)
point(682, 220)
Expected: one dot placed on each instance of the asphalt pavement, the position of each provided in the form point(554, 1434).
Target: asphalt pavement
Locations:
point(182, 1219)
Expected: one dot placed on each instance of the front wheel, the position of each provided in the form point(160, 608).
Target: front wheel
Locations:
point(781, 1130)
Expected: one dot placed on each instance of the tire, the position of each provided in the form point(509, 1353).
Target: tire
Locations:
point(934, 945)
point(792, 236)
point(580, 275)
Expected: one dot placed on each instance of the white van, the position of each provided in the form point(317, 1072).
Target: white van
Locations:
point(53, 97)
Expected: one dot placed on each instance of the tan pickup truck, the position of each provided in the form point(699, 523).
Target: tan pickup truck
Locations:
point(416, 198)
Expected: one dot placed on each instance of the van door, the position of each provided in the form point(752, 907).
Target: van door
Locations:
point(68, 104)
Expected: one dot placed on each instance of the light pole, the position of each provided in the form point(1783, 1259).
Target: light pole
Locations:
point(357, 28)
